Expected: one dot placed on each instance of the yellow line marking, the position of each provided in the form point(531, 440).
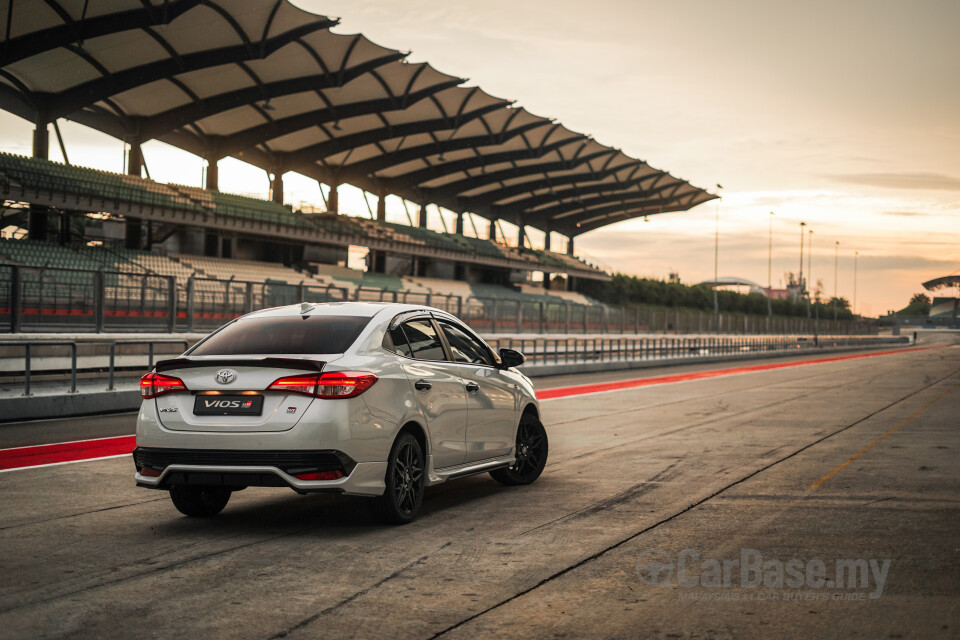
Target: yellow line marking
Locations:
point(838, 469)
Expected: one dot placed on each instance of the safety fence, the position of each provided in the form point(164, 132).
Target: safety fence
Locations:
point(547, 351)
point(55, 299)
point(101, 365)
point(29, 351)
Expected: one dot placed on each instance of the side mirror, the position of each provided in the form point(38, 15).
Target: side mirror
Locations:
point(511, 358)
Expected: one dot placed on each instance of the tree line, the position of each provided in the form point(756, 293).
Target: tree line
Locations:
point(629, 291)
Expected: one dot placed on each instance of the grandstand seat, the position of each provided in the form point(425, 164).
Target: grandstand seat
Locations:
point(37, 173)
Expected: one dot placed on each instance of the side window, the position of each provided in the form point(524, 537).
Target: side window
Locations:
point(464, 347)
point(395, 341)
point(424, 341)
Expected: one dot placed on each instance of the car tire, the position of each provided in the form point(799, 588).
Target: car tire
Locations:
point(406, 473)
point(199, 501)
point(531, 450)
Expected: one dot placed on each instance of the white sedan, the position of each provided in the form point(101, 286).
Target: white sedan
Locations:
point(367, 399)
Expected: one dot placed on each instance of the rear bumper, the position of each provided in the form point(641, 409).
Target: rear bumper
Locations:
point(238, 469)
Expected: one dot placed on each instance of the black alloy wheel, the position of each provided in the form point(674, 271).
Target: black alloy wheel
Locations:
point(531, 452)
point(405, 481)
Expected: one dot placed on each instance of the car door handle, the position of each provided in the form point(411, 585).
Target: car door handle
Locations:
point(473, 386)
point(422, 385)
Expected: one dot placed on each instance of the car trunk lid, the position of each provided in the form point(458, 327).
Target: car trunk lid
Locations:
point(228, 389)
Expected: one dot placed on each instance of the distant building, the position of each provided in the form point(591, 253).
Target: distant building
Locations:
point(737, 284)
point(774, 294)
point(944, 308)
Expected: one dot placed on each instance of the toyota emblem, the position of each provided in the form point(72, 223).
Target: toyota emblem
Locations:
point(226, 376)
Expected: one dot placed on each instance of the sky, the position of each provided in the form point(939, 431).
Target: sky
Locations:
point(841, 114)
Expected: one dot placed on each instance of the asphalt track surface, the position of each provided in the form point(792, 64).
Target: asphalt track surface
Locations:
point(854, 459)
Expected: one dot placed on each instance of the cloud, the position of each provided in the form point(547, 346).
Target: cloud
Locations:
point(906, 214)
point(902, 180)
point(907, 263)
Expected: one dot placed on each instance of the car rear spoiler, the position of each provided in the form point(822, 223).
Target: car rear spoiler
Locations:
point(275, 363)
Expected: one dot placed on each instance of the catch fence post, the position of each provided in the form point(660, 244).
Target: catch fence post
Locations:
point(171, 303)
point(16, 304)
point(191, 303)
point(98, 300)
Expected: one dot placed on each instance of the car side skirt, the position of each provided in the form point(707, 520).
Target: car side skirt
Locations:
point(436, 476)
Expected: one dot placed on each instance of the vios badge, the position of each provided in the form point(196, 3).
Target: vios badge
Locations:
point(226, 376)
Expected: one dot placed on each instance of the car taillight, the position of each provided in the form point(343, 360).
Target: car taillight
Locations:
point(340, 384)
point(306, 385)
point(155, 384)
point(344, 384)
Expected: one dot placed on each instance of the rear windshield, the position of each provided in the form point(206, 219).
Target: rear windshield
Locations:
point(287, 335)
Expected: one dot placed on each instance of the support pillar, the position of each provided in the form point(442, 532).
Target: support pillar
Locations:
point(131, 232)
point(422, 217)
point(213, 174)
point(276, 187)
point(211, 244)
point(333, 200)
point(570, 246)
point(418, 266)
point(378, 262)
point(135, 160)
point(460, 223)
point(493, 229)
point(37, 223)
point(382, 206)
point(227, 245)
point(64, 227)
point(546, 247)
point(37, 218)
point(521, 235)
point(133, 227)
point(41, 142)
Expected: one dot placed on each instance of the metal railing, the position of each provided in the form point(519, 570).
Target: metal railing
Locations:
point(495, 315)
point(51, 299)
point(149, 343)
point(445, 301)
point(541, 351)
point(546, 351)
point(28, 354)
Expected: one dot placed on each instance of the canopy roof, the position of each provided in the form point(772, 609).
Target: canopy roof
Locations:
point(728, 281)
point(267, 82)
point(942, 282)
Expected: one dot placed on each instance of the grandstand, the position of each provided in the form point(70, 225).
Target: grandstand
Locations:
point(290, 95)
point(943, 307)
point(46, 183)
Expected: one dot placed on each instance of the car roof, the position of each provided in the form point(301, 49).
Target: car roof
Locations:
point(363, 309)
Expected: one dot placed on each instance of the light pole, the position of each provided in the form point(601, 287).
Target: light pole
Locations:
point(800, 277)
point(856, 254)
point(716, 251)
point(810, 271)
point(836, 263)
point(770, 267)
